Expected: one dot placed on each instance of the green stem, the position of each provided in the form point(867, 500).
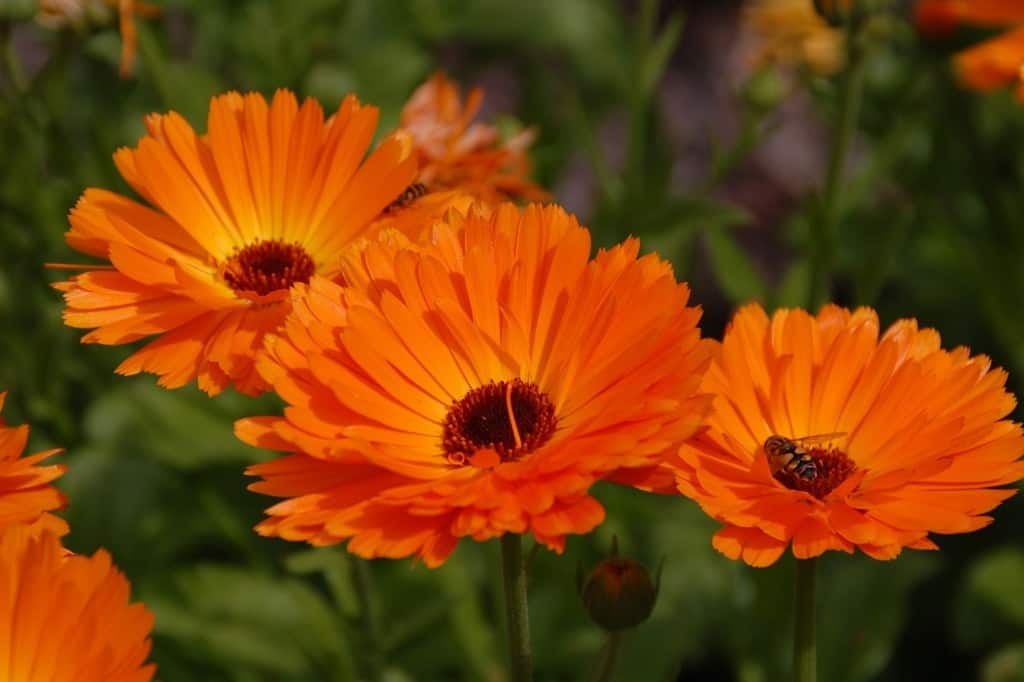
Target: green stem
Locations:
point(12, 63)
point(823, 227)
point(805, 659)
point(513, 570)
point(362, 581)
point(611, 657)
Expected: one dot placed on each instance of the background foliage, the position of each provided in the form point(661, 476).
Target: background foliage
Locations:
point(649, 125)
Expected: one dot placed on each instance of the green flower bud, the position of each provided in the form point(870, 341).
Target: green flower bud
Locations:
point(619, 594)
point(764, 90)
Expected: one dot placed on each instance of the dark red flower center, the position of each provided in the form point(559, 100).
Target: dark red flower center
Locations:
point(831, 467)
point(268, 266)
point(512, 418)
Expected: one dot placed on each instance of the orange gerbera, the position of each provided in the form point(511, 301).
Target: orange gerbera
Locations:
point(456, 154)
point(792, 32)
point(994, 63)
point(60, 13)
point(26, 494)
point(911, 439)
point(66, 618)
point(269, 197)
point(474, 386)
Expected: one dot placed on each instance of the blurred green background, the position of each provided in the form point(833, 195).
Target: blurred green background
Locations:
point(652, 122)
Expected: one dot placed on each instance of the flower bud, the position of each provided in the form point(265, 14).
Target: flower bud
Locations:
point(764, 90)
point(618, 593)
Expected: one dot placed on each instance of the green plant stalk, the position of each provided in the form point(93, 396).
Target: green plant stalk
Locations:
point(362, 581)
point(12, 64)
point(805, 655)
point(639, 107)
point(513, 571)
point(611, 657)
point(823, 227)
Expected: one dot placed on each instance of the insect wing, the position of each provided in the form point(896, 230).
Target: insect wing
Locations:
point(819, 438)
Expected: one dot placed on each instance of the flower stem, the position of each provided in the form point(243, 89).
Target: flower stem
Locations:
point(362, 581)
point(611, 657)
point(805, 660)
point(516, 612)
point(823, 226)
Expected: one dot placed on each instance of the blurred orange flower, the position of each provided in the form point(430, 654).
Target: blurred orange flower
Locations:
point(26, 492)
point(474, 386)
point(989, 65)
point(269, 197)
point(792, 32)
point(915, 441)
point(59, 13)
point(456, 154)
point(66, 618)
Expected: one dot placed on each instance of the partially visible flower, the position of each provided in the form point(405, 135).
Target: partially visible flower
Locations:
point(991, 64)
point(791, 32)
point(269, 197)
point(26, 492)
point(473, 386)
point(907, 439)
point(57, 14)
point(454, 153)
point(67, 618)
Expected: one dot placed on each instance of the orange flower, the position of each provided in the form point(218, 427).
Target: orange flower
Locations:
point(474, 386)
point(267, 198)
point(26, 494)
point(59, 13)
point(992, 64)
point(455, 153)
point(911, 441)
point(791, 32)
point(66, 618)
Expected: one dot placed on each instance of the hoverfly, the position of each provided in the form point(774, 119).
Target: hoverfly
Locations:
point(790, 455)
point(408, 195)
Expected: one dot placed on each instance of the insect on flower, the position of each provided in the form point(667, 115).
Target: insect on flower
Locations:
point(790, 455)
point(409, 195)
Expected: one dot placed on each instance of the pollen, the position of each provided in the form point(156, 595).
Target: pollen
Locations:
point(268, 266)
point(512, 418)
point(832, 467)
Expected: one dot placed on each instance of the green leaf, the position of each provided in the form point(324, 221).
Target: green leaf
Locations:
point(140, 412)
point(997, 579)
point(734, 272)
point(793, 290)
point(656, 58)
point(706, 213)
point(235, 617)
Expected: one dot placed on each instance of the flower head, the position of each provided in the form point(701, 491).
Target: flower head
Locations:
point(792, 32)
point(454, 153)
point(26, 492)
point(991, 64)
point(269, 197)
point(907, 439)
point(474, 386)
point(66, 618)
